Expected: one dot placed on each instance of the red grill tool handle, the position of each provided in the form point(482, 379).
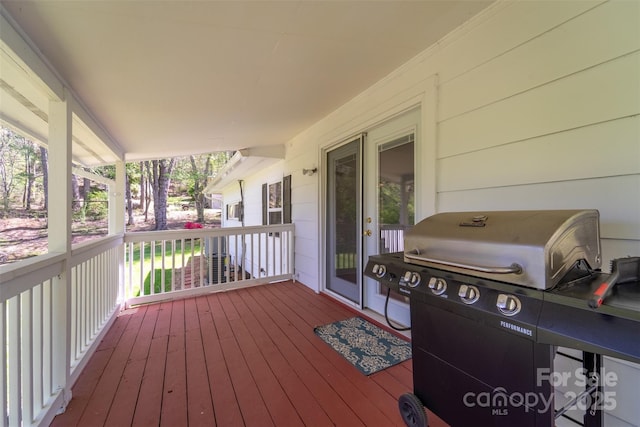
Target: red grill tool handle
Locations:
point(623, 270)
point(603, 290)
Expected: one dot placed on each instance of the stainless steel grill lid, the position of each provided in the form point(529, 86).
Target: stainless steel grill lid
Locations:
point(527, 248)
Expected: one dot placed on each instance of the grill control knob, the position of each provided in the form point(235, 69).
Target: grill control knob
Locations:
point(411, 279)
point(437, 285)
point(379, 270)
point(414, 280)
point(509, 305)
point(468, 294)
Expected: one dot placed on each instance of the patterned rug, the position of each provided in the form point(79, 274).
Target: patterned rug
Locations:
point(364, 345)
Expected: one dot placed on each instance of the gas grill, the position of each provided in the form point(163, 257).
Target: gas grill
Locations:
point(492, 295)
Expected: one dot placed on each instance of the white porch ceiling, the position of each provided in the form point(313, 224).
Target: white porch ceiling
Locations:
point(170, 78)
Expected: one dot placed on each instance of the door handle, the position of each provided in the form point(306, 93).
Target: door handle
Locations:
point(367, 233)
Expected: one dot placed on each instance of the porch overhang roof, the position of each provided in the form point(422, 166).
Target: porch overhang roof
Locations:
point(242, 162)
point(172, 78)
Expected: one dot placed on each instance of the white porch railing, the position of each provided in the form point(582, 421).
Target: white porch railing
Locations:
point(53, 311)
point(180, 263)
point(55, 308)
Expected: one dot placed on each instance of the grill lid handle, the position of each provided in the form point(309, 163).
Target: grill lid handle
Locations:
point(512, 269)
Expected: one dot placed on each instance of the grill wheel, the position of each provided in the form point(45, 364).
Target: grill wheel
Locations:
point(412, 411)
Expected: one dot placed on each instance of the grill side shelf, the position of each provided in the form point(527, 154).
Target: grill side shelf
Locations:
point(612, 330)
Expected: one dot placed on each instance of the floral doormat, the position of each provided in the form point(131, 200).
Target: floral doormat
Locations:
point(366, 346)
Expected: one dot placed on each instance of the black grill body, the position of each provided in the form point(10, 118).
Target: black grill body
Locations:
point(475, 365)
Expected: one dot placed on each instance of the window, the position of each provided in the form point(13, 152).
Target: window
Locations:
point(234, 211)
point(276, 202)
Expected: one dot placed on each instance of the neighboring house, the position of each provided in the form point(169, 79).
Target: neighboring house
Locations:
point(530, 105)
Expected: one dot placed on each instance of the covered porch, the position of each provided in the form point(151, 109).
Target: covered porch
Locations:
point(506, 120)
point(244, 357)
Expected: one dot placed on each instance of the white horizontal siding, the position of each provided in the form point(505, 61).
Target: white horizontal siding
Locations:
point(615, 197)
point(551, 122)
point(604, 147)
point(530, 105)
point(625, 389)
point(589, 38)
point(506, 28)
point(606, 92)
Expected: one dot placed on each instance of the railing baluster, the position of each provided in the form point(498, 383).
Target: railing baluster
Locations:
point(201, 262)
point(26, 358)
point(47, 342)
point(182, 266)
point(94, 294)
point(173, 264)
point(14, 356)
point(38, 330)
point(142, 257)
point(84, 312)
point(152, 273)
point(162, 266)
point(3, 362)
point(209, 257)
point(128, 290)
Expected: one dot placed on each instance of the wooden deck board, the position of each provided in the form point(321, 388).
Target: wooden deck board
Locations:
point(253, 409)
point(199, 404)
point(345, 376)
point(258, 323)
point(241, 358)
point(174, 400)
point(226, 408)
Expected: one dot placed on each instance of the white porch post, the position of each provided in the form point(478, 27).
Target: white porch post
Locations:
point(117, 202)
point(59, 230)
point(116, 220)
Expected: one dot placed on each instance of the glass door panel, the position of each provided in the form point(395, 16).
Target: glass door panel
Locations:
point(389, 202)
point(344, 207)
point(396, 197)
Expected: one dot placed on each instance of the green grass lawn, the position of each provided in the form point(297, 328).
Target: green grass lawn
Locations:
point(189, 250)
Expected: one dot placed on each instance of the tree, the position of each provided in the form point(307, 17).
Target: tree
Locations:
point(143, 187)
point(44, 164)
point(147, 192)
point(131, 172)
point(76, 204)
point(161, 170)
point(8, 159)
point(28, 149)
point(200, 171)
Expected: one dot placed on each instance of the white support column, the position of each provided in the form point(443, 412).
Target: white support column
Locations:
point(117, 219)
point(60, 197)
point(60, 193)
point(117, 202)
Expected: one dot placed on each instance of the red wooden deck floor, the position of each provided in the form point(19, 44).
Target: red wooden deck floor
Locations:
point(241, 358)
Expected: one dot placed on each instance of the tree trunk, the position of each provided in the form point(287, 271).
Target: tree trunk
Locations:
point(143, 186)
point(86, 189)
point(161, 179)
point(28, 186)
point(75, 189)
point(8, 158)
point(148, 192)
point(44, 161)
point(129, 203)
point(199, 184)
